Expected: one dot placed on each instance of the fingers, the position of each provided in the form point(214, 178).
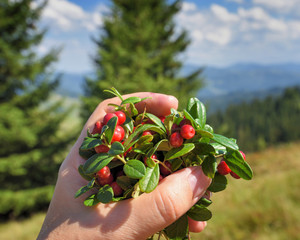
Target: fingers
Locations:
point(196, 226)
point(158, 104)
point(173, 197)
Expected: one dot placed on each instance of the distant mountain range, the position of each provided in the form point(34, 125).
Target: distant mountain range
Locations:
point(223, 86)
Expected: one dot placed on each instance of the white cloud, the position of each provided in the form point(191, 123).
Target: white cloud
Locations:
point(223, 14)
point(222, 37)
point(236, 1)
point(67, 16)
point(281, 6)
point(219, 36)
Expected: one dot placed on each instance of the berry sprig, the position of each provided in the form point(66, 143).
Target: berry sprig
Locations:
point(129, 153)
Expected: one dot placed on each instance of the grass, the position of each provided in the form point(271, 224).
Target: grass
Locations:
point(265, 208)
point(26, 229)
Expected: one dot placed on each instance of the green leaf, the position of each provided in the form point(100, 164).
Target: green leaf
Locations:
point(199, 213)
point(197, 110)
point(86, 188)
point(203, 149)
point(144, 139)
point(105, 194)
point(90, 143)
point(237, 164)
point(169, 121)
point(112, 123)
point(204, 133)
point(114, 164)
point(86, 154)
point(132, 100)
point(176, 163)
point(156, 120)
point(81, 171)
point(204, 202)
point(180, 151)
point(179, 229)
point(157, 145)
point(208, 128)
point(128, 125)
point(209, 166)
point(150, 180)
point(134, 137)
point(91, 201)
point(116, 149)
point(134, 169)
point(189, 117)
point(143, 149)
point(96, 162)
point(219, 148)
point(125, 182)
point(150, 162)
point(219, 183)
point(115, 92)
point(133, 110)
point(225, 141)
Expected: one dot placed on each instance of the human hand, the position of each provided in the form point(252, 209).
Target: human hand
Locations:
point(137, 218)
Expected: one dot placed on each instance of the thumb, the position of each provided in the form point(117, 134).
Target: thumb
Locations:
point(173, 197)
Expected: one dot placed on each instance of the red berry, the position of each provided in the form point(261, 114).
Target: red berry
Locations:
point(233, 174)
point(162, 118)
point(147, 133)
point(117, 189)
point(107, 117)
point(165, 171)
point(104, 173)
point(121, 117)
point(243, 154)
point(176, 140)
point(102, 149)
point(97, 127)
point(104, 181)
point(118, 135)
point(223, 168)
point(187, 131)
point(184, 121)
point(175, 127)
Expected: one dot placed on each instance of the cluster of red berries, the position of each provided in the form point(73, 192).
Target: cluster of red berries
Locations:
point(119, 132)
point(224, 169)
point(180, 132)
point(105, 175)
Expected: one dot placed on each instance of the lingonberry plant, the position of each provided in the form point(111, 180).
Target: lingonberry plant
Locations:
point(128, 153)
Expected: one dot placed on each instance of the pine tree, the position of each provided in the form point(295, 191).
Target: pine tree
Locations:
point(138, 50)
point(31, 147)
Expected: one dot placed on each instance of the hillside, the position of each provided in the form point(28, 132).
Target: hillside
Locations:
point(266, 207)
point(223, 86)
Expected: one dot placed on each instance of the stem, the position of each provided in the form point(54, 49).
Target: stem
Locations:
point(165, 235)
point(159, 235)
point(121, 158)
point(189, 236)
point(220, 155)
point(162, 163)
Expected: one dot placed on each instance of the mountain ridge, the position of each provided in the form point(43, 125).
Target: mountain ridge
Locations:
point(223, 85)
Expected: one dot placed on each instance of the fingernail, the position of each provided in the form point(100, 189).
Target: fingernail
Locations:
point(198, 182)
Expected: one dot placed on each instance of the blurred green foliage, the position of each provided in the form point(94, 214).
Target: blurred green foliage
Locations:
point(262, 123)
point(31, 147)
point(138, 50)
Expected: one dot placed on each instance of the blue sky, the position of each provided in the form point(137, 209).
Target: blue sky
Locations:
point(222, 32)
